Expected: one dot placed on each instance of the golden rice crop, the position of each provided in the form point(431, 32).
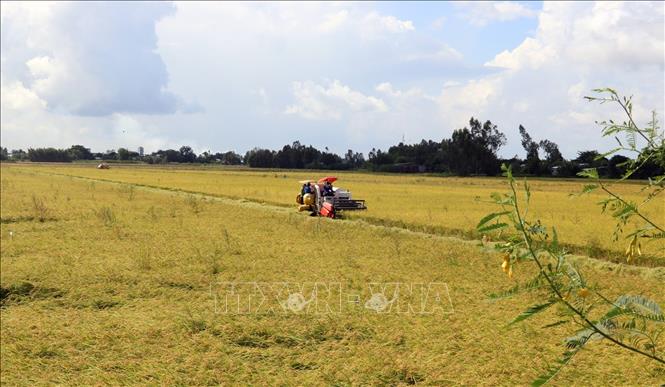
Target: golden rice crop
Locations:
point(449, 206)
point(115, 284)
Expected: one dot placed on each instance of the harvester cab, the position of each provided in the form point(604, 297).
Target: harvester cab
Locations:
point(320, 198)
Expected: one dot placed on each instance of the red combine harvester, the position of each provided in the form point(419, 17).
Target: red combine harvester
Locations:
point(321, 198)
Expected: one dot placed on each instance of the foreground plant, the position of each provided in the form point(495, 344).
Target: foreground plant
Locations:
point(632, 322)
point(653, 153)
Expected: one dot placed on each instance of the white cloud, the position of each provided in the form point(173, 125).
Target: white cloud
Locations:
point(387, 88)
point(481, 13)
point(414, 93)
point(370, 26)
point(458, 102)
point(272, 46)
point(88, 59)
point(319, 102)
point(15, 97)
point(334, 21)
point(577, 47)
point(237, 60)
point(531, 53)
point(28, 122)
point(604, 33)
point(444, 54)
point(374, 23)
point(40, 66)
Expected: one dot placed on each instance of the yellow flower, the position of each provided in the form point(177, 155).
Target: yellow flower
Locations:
point(634, 248)
point(506, 266)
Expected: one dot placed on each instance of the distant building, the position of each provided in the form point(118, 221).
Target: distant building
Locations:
point(141, 151)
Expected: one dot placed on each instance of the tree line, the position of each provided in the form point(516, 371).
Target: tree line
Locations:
point(79, 152)
point(471, 150)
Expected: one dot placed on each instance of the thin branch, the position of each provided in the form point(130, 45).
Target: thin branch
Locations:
point(604, 188)
point(630, 118)
point(593, 326)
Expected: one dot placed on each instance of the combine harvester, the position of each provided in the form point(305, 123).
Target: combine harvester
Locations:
point(328, 204)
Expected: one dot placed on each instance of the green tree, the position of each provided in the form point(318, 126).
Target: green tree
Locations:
point(49, 155)
point(354, 159)
point(487, 135)
point(260, 158)
point(532, 161)
point(205, 158)
point(123, 154)
point(19, 155)
point(187, 155)
point(617, 166)
point(551, 149)
point(79, 152)
point(230, 158)
point(553, 157)
point(474, 150)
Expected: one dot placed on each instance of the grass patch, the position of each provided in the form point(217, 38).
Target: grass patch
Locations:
point(26, 291)
point(21, 219)
point(104, 304)
point(106, 215)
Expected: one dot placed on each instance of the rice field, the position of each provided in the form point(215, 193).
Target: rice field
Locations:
point(122, 276)
point(444, 206)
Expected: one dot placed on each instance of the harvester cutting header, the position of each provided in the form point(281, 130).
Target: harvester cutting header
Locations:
point(321, 198)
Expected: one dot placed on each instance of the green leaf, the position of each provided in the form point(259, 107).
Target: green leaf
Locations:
point(554, 324)
point(533, 310)
point(659, 235)
point(495, 226)
point(501, 199)
point(606, 90)
point(641, 306)
point(614, 312)
point(575, 277)
point(622, 212)
point(491, 216)
point(589, 188)
point(602, 156)
point(507, 171)
point(555, 240)
point(619, 141)
point(630, 139)
point(554, 370)
point(591, 173)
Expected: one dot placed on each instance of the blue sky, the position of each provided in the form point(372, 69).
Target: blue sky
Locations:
point(222, 76)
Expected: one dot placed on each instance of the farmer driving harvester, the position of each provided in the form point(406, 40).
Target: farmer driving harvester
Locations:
point(306, 188)
point(321, 198)
point(306, 196)
point(328, 189)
